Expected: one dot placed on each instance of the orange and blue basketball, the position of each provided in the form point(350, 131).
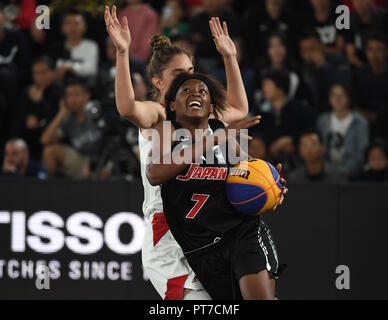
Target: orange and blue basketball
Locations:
point(253, 187)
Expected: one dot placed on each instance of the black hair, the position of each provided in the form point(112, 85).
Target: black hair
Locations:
point(45, 59)
point(280, 77)
point(377, 36)
point(216, 90)
point(311, 131)
point(74, 81)
point(309, 33)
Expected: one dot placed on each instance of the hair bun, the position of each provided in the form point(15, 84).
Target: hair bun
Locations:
point(160, 41)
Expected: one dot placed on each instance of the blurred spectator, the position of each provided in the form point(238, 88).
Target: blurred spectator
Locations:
point(273, 16)
point(320, 69)
point(14, 63)
point(74, 123)
point(247, 73)
point(371, 82)
point(207, 57)
point(323, 21)
point(193, 6)
point(366, 18)
point(257, 147)
point(105, 91)
point(17, 161)
point(376, 169)
point(345, 132)
point(278, 57)
point(75, 54)
point(185, 41)
point(173, 18)
point(285, 121)
point(314, 168)
point(39, 103)
point(143, 21)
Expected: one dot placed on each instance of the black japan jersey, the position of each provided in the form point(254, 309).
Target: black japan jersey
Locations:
point(195, 204)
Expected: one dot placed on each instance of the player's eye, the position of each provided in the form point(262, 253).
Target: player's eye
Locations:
point(202, 91)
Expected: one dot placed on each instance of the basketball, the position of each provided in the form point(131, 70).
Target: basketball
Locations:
point(253, 187)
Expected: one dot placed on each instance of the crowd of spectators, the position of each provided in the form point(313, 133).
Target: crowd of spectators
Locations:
point(322, 91)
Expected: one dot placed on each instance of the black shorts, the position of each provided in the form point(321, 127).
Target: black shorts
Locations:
point(248, 250)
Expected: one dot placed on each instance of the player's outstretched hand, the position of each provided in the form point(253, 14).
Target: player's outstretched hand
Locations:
point(118, 32)
point(284, 189)
point(223, 42)
point(241, 124)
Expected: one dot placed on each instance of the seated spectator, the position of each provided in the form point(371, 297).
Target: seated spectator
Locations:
point(314, 168)
point(376, 169)
point(278, 57)
point(74, 123)
point(285, 121)
point(14, 63)
point(323, 21)
point(185, 41)
point(273, 16)
point(17, 161)
point(257, 147)
point(345, 132)
point(75, 54)
point(173, 19)
point(207, 57)
point(320, 70)
point(39, 103)
point(365, 19)
point(247, 73)
point(371, 82)
point(106, 78)
point(143, 21)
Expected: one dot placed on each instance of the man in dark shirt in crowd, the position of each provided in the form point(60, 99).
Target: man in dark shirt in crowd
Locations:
point(365, 19)
point(376, 169)
point(17, 161)
point(207, 57)
point(14, 66)
point(74, 123)
point(273, 16)
point(311, 150)
point(323, 21)
point(371, 82)
point(320, 70)
point(286, 120)
point(39, 104)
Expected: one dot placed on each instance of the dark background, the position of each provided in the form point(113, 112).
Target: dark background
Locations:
point(318, 228)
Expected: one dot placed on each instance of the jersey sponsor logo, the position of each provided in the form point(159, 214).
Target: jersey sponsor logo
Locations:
point(199, 173)
point(238, 172)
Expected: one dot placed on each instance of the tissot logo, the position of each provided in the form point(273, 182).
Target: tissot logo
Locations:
point(84, 233)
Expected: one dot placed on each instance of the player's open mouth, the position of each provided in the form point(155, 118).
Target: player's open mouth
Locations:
point(196, 105)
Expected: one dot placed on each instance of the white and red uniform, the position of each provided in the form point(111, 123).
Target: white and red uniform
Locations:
point(162, 257)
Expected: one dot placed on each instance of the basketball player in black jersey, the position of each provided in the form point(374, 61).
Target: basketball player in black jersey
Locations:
point(232, 254)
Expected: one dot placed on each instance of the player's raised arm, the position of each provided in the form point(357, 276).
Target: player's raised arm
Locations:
point(236, 96)
point(142, 114)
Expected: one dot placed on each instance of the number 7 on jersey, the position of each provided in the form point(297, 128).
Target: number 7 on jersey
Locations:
point(200, 199)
